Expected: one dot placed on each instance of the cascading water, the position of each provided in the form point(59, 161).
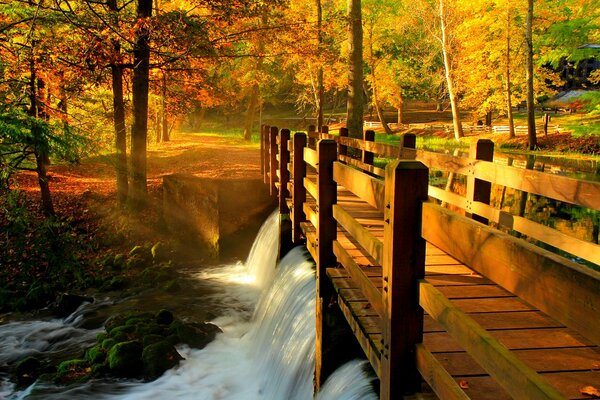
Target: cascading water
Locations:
point(267, 354)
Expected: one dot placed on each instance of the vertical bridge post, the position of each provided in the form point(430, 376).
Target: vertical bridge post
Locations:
point(478, 190)
point(273, 160)
point(326, 234)
point(284, 173)
point(262, 149)
point(265, 154)
point(299, 191)
point(367, 156)
point(403, 264)
point(343, 150)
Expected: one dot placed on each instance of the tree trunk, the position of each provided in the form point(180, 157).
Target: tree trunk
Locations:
point(355, 106)
point(458, 131)
point(139, 131)
point(530, 101)
point(320, 87)
point(163, 108)
point(120, 134)
point(400, 108)
point(511, 121)
point(251, 110)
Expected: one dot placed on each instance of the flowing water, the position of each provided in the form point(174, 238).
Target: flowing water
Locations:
point(265, 351)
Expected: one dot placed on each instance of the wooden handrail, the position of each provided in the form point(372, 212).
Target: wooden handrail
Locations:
point(364, 186)
point(310, 156)
point(370, 243)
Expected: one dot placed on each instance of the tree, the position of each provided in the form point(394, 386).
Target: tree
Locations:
point(531, 134)
point(355, 107)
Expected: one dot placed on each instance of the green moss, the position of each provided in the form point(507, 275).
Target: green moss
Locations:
point(159, 357)
point(107, 344)
point(95, 355)
point(125, 359)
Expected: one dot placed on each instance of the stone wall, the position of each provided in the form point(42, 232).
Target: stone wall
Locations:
point(206, 212)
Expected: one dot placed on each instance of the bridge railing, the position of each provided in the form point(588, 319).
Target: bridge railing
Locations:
point(557, 286)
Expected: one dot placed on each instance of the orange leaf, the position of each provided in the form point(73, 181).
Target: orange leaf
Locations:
point(590, 391)
point(463, 384)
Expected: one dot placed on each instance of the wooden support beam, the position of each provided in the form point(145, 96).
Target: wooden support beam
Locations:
point(477, 189)
point(266, 153)
point(273, 159)
point(326, 234)
point(403, 265)
point(298, 191)
point(284, 173)
point(408, 144)
point(262, 150)
point(312, 130)
point(364, 186)
point(367, 156)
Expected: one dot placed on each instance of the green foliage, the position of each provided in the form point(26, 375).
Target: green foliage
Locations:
point(40, 257)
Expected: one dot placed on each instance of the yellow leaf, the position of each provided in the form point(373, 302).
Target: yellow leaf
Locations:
point(590, 391)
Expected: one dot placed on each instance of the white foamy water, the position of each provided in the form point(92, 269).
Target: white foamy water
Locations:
point(265, 352)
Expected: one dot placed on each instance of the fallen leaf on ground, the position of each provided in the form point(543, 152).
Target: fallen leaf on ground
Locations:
point(590, 391)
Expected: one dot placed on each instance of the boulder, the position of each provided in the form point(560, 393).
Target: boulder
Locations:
point(27, 370)
point(159, 357)
point(164, 317)
point(125, 359)
point(67, 304)
point(194, 335)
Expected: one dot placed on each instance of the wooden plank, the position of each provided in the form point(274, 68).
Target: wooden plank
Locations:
point(474, 292)
point(448, 197)
point(564, 290)
point(541, 360)
point(381, 149)
point(369, 189)
point(311, 214)
point(284, 173)
point(310, 157)
point(437, 376)
point(273, 160)
point(367, 342)
point(311, 187)
point(502, 321)
point(298, 191)
point(477, 189)
point(363, 282)
point(562, 188)
point(372, 245)
point(511, 373)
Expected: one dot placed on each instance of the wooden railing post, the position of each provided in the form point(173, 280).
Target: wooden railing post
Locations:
point(284, 173)
point(343, 150)
point(403, 264)
point(299, 191)
point(273, 160)
point(324, 129)
point(311, 139)
point(326, 234)
point(478, 190)
point(407, 141)
point(266, 154)
point(262, 149)
point(367, 156)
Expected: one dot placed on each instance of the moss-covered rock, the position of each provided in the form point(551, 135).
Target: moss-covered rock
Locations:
point(164, 317)
point(125, 359)
point(159, 357)
point(27, 370)
point(73, 371)
point(196, 335)
point(107, 344)
point(151, 339)
point(95, 355)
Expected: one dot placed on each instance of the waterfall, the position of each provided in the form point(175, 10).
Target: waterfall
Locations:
point(266, 353)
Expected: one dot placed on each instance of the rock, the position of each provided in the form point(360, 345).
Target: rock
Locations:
point(151, 339)
point(172, 286)
point(72, 371)
point(125, 359)
point(27, 371)
point(159, 357)
point(67, 304)
point(164, 317)
point(95, 355)
point(107, 344)
point(159, 252)
point(195, 335)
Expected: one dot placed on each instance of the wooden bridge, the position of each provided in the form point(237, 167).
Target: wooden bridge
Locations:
point(441, 299)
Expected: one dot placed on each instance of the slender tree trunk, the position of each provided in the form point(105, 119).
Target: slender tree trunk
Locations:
point(164, 109)
point(320, 88)
point(530, 100)
point(139, 131)
point(458, 131)
point(355, 106)
point(120, 134)
point(511, 121)
point(374, 87)
point(119, 119)
point(255, 93)
point(400, 108)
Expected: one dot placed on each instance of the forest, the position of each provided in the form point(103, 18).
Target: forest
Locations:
point(103, 98)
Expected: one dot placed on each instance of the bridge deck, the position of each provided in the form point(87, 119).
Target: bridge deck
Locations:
point(566, 359)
